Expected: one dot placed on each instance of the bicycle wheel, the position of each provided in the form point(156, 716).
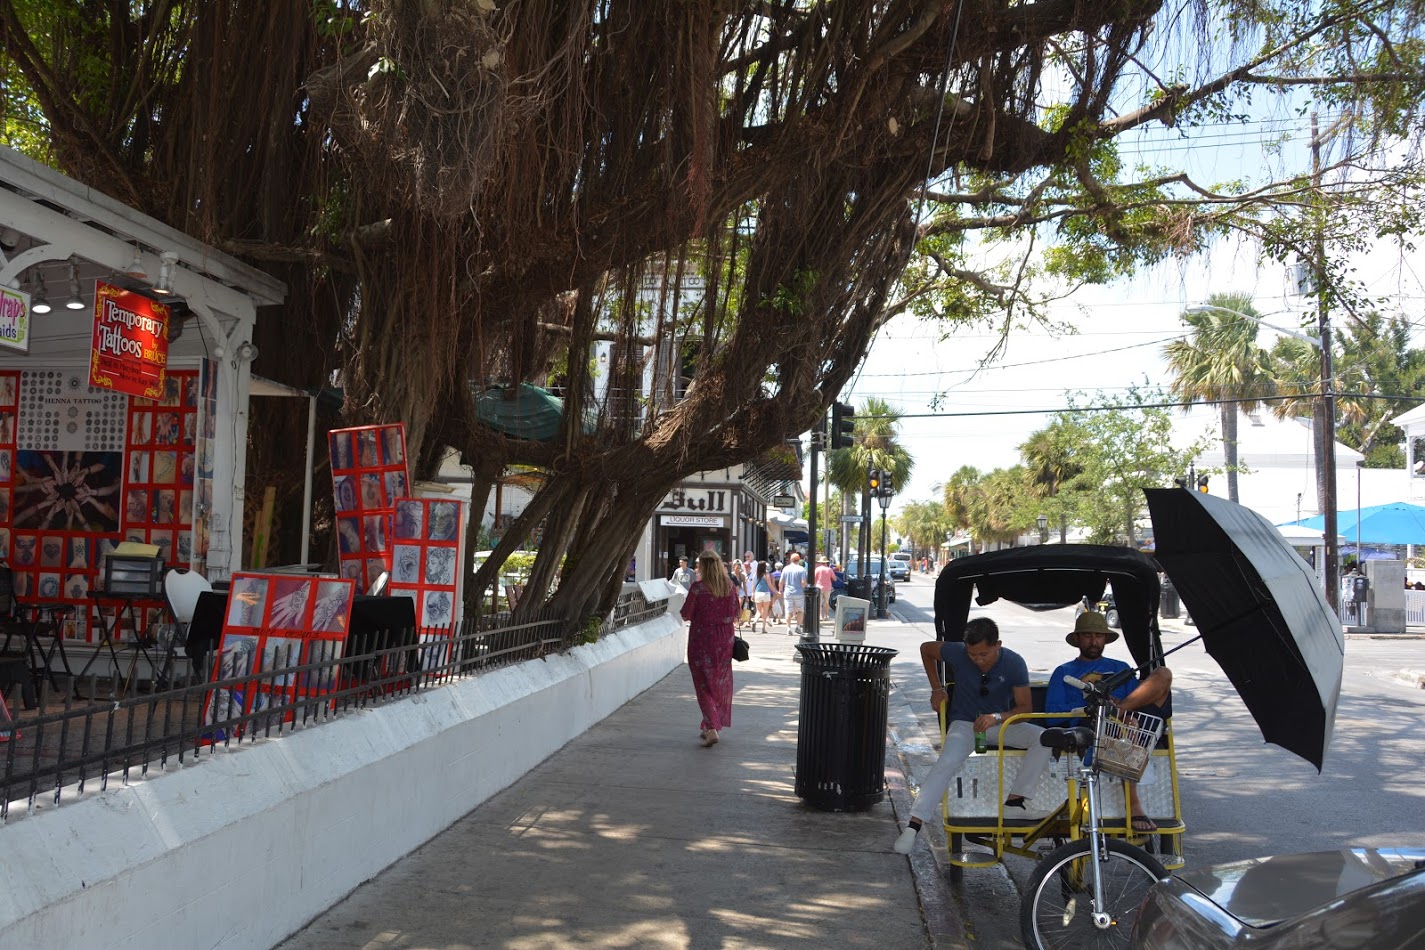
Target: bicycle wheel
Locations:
point(1057, 910)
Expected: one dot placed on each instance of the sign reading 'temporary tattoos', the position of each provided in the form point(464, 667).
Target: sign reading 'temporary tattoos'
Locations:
point(130, 347)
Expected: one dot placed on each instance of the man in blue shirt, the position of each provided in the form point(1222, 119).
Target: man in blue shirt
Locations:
point(1091, 634)
point(794, 580)
point(991, 685)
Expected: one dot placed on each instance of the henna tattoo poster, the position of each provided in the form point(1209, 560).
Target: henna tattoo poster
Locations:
point(426, 554)
point(82, 469)
point(368, 475)
point(276, 621)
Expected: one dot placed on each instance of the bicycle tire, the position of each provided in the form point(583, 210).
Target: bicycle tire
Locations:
point(1056, 910)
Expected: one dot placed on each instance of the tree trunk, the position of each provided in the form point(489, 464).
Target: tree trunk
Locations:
point(1229, 449)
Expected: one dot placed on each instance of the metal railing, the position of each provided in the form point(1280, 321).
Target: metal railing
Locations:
point(56, 757)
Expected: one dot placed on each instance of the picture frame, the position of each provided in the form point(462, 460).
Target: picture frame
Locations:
point(852, 614)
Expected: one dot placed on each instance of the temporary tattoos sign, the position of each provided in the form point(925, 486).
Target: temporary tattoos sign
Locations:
point(130, 348)
point(274, 621)
point(14, 319)
point(368, 475)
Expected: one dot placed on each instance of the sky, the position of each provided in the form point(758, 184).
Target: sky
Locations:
point(984, 414)
point(1121, 330)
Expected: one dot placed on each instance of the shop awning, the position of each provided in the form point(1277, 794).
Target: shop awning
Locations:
point(793, 528)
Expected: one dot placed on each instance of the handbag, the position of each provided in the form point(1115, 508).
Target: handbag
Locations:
point(740, 649)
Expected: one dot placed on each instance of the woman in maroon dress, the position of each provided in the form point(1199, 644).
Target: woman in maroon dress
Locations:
point(712, 608)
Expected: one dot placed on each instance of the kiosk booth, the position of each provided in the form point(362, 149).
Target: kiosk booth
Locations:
point(125, 354)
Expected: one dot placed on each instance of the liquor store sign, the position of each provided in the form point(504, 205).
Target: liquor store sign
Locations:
point(130, 348)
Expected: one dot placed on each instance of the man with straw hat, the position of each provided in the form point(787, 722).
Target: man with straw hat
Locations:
point(1090, 635)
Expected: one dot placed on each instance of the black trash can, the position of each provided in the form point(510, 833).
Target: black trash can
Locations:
point(841, 739)
point(1169, 607)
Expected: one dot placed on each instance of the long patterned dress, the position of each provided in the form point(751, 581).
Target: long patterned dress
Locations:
point(710, 651)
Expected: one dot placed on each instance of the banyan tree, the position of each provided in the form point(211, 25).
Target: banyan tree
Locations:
point(468, 196)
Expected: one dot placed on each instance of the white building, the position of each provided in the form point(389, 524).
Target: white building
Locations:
point(1277, 465)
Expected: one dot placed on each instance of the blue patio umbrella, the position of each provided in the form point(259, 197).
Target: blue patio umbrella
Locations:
point(1395, 523)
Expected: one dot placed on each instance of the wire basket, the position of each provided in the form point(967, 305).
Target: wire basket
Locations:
point(1126, 742)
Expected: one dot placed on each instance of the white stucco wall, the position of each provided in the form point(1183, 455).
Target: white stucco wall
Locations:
point(247, 846)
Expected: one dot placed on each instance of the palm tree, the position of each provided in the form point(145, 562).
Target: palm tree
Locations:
point(1049, 459)
point(924, 523)
point(1373, 356)
point(1222, 363)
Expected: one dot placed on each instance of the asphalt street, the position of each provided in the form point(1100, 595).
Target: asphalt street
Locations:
point(1241, 797)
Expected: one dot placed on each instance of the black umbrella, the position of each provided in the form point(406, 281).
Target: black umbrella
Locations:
point(1259, 612)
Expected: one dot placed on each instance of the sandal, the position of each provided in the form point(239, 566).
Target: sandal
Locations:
point(710, 738)
point(1144, 825)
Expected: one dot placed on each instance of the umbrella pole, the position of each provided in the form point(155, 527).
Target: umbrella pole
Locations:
point(1148, 667)
point(1180, 646)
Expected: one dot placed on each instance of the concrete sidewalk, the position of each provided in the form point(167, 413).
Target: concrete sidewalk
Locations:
point(635, 835)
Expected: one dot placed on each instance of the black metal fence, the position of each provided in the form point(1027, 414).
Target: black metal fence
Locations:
point(58, 756)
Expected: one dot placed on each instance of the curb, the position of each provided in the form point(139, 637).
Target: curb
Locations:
point(945, 926)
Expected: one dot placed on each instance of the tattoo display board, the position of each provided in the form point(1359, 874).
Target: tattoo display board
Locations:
point(82, 469)
point(275, 621)
point(368, 475)
point(427, 551)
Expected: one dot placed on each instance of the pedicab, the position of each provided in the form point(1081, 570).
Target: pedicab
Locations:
point(1259, 614)
point(1042, 578)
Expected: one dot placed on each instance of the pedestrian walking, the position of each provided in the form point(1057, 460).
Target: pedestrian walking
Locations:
point(683, 574)
point(749, 590)
point(794, 579)
point(825, 581)
point(762, 594)
point(711, 610)
point(779, 606)
point(739, 579)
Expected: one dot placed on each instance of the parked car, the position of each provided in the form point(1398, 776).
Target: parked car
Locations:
point(1354, 897)
point(874, 565)
point(899, 566)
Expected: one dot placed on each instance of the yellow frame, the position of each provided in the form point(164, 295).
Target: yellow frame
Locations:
point(1066, 821)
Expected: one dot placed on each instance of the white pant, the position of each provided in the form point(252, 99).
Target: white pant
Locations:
point(960, 741)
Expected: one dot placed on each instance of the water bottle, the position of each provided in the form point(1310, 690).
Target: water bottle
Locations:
point(980, 745)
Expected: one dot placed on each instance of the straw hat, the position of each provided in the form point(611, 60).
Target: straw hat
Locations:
point(1090, 622)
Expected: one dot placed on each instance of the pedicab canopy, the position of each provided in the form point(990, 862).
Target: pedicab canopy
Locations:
point(1050, 577)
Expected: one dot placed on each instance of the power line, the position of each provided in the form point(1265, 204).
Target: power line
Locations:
point(1177, 404)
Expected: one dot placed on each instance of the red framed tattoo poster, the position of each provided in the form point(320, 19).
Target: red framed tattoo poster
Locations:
point(368, 475)
point(426, 554)
point(275, 621)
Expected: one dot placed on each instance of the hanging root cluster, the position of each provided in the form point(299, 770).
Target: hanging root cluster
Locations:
point(427, 119)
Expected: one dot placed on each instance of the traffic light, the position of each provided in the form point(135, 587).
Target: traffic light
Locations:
point(873, 480)
point(843, 423)
point(1202, 484)
point(888, 485)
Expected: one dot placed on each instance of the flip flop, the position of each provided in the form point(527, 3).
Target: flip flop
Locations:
point(1144, 825)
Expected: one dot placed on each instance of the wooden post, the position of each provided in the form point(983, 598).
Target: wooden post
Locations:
point(262, 535)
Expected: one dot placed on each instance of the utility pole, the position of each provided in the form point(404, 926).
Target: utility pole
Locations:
point(1326, 474)
point(811, 616)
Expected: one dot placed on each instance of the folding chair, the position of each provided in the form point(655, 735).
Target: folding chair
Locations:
point(181, 590)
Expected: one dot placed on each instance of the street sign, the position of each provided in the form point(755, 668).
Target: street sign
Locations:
point(852, 519)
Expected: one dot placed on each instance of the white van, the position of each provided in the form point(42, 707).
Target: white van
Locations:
point(899, 566)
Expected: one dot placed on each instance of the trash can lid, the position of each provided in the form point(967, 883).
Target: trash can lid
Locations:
point(849, 655)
